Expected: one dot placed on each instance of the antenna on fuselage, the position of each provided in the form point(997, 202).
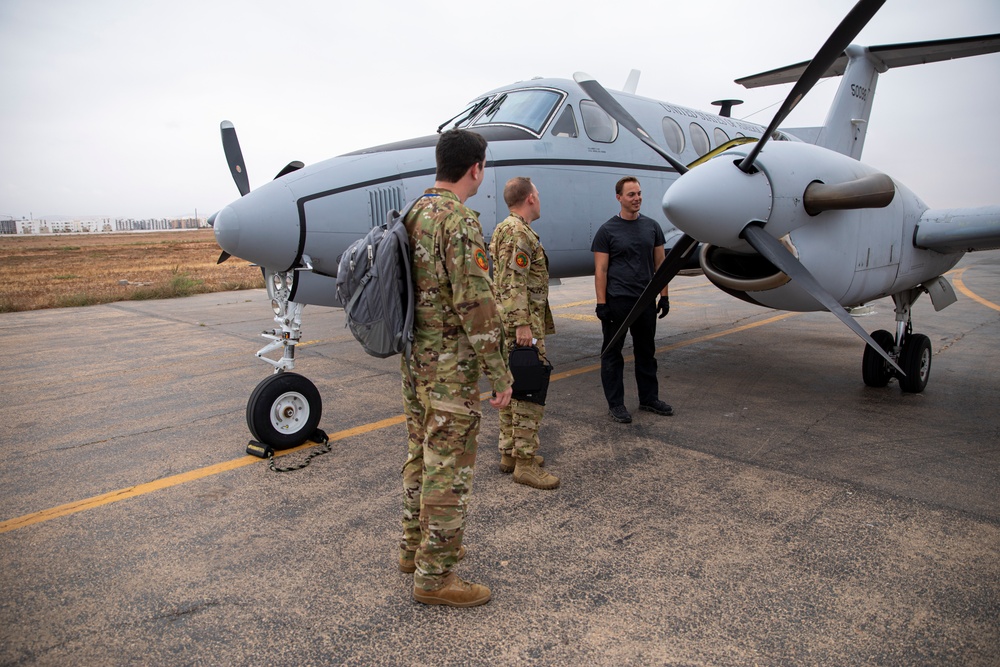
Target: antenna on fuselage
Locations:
point(632, 82)
point(727, 106)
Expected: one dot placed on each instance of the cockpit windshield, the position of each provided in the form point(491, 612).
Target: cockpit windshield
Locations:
point(531, 109)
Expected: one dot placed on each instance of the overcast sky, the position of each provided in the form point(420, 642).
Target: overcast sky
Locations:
point(112, 107)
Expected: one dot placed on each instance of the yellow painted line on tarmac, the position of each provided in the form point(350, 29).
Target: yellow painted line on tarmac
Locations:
point(591, 302)
point(960, 284)
point(174, 480)
point(578, 316)
point(208, 471)
point(679, 344)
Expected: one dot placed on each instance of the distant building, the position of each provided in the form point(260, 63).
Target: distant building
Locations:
point(97, 225)
point(130, 225)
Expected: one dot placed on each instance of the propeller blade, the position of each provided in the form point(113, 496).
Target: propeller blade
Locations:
point(668, 268)
point(771, 249)
point(223, 257)
point(835, 44)
point(611, 107)
point(234, 157)
point(211, 219)
point(873, 191)
point(294, 165)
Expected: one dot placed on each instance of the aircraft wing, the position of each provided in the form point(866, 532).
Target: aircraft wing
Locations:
point(889, 56)
point(959, 229)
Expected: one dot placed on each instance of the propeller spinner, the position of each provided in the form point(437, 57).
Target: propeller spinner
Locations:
point(739, 219)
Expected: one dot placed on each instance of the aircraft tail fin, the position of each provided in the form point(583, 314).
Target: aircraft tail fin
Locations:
point(846, 123)
point(632, 83)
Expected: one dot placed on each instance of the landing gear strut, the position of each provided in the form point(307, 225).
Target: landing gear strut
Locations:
point(285, 408)
point(911, 351)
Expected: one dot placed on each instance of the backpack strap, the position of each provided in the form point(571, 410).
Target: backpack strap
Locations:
point(404, 240)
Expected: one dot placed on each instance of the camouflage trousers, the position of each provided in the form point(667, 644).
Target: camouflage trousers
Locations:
point(437, 485)
point(520, 421)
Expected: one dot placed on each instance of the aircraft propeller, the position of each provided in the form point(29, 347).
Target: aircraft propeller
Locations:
point(237, 167)
point(699, 202)
point(234, 157)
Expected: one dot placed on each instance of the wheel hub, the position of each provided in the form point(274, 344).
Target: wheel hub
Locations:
point(290, 412)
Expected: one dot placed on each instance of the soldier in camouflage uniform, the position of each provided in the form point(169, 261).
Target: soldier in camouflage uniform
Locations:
point(457, 338)
point(521, 275)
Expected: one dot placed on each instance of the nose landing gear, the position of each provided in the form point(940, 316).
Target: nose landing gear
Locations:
point(285, 408)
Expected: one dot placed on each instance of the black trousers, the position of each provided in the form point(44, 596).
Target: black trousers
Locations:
point(643, 331)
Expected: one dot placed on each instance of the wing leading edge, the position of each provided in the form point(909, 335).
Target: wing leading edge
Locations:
point(959, 229)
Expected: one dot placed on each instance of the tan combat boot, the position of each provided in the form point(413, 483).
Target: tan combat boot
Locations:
point(527, 471)
point(507, 461)
point(455, 593)
point(408, 563)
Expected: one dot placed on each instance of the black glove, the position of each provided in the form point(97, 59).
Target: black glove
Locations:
point(663, 307)
point(603, 312)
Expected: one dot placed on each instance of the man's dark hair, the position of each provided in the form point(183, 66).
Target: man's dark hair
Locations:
point(457, 150)
point(620, 185)
point(517, 190)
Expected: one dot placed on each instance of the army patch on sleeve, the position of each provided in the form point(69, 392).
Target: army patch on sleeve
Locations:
point(481, 261)
point(521, 259)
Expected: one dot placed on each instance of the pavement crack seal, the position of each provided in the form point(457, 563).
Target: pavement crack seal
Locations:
point(225, 466)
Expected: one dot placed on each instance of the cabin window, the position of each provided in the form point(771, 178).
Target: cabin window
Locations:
point(674, 135)
point(699, 139)
point(529, 109)
point(720, 136)
point(565, 126)
point(599, 126)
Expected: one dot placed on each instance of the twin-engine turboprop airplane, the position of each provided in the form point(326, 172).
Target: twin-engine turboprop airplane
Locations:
point(794, 223)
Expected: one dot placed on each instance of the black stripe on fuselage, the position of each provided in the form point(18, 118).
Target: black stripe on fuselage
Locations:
point(495, 164)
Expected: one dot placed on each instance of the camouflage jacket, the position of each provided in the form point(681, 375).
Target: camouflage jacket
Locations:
point(521, 274)
point(457, 331)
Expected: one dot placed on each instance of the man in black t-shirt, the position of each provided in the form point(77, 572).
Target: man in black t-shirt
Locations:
point(627, 250)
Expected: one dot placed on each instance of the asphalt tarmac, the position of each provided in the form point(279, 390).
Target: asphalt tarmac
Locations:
point(787, 513)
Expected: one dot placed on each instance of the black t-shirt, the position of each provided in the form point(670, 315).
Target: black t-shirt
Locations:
point(629, 245)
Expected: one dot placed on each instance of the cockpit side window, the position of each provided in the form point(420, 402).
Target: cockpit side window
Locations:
point(565, 126)
point(599, 126)
point(530, 109)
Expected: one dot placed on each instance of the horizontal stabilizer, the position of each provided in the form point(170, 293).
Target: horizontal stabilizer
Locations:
point(888, 56)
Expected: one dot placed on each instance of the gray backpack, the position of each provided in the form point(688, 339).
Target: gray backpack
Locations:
point(374, 282)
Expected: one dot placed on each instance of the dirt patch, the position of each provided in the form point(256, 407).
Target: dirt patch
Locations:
point(84, 269)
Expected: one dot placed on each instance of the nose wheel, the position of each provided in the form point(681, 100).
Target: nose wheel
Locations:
point(284, 410)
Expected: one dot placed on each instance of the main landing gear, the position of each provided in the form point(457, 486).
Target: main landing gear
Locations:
point(911, 351)
point(285, 408)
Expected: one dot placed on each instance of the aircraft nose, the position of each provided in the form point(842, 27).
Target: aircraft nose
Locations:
point(714, 202)
point(261, 227)
point(227, 230)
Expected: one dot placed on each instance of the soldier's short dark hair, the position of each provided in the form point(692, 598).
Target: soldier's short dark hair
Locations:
point(517, 190)
point(620, 185)
point(457, 150)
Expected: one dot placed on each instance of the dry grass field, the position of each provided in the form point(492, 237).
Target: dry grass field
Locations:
point(84, 269)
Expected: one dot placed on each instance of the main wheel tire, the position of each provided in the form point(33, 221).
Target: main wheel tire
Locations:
point(875, 370)
point(915, 360)
point(284, 410)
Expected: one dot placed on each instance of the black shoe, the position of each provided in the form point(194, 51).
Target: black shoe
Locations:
point(659, 407)
point(620, 414)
